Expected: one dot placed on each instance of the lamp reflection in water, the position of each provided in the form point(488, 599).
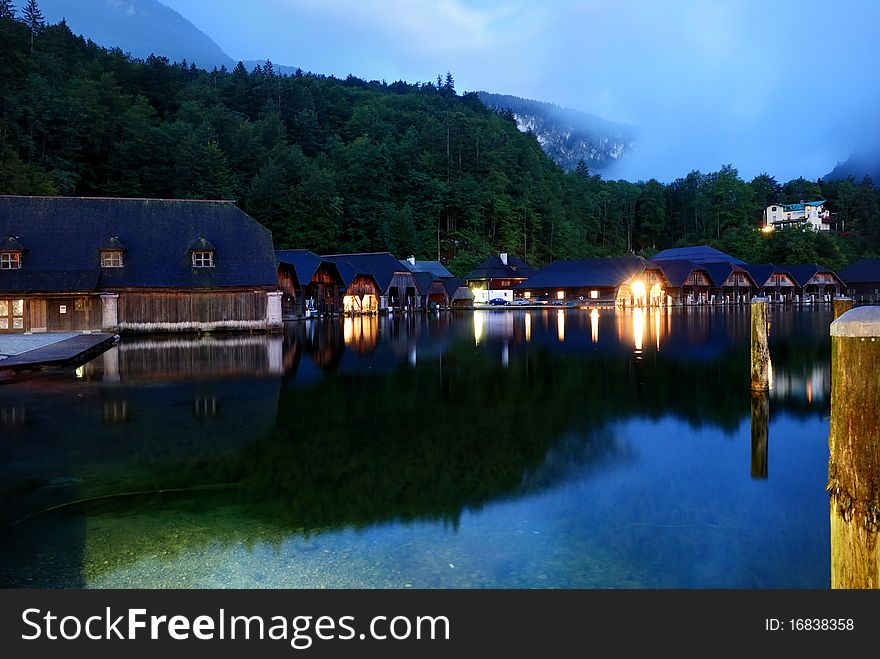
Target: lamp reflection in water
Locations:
point(347, 328)
point(638, 328)
point(528, 321)
point(594, 325)
point(657, 330)
point(560, 325)
point(478, 326)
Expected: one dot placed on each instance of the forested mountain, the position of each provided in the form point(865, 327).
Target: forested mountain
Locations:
point(567, 136)
point(139, 27)
point(337, 165)
point(857, 166)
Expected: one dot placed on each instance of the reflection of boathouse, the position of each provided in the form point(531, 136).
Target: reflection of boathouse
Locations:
point(71, 264)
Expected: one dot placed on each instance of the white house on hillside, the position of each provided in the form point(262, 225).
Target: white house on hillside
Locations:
point(777, 216)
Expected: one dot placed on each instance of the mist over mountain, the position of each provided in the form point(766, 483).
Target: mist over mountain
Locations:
point(860, 164)
point(567, 136)
point(138, 27)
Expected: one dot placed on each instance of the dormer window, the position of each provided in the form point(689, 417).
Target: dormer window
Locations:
point(202, 253)
point(111, 259)
point(10, 260)
point(112, 253)
point(203, 259)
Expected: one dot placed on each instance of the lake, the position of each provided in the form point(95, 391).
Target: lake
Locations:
point(551, 448)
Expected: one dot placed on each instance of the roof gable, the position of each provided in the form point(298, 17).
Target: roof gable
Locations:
point(381, 265)
point(700, 254)
point(601, 273)
point(495, 268)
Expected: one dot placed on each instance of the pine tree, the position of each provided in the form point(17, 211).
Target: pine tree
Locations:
point(33, 18)
point(7, 9)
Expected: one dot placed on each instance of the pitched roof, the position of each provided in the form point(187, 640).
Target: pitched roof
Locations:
point(112, 244)
point(63, 236)
point(304, 263)
point(803, 272)
point(800, 206)
point(381, 265)
point(434, 267)
point(11, 244)
point(607, 272)
point(866, 270)
point(494, 268)
point(424, 281)
point(678, 270)
point(452, 284)
point(700, 254)
point(719, 272)
point(761, 272)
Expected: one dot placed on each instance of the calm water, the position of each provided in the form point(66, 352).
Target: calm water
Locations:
point(489, 449)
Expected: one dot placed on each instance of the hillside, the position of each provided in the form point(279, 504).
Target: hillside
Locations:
point(568, 136)
point(857, 166)
point(139, 27)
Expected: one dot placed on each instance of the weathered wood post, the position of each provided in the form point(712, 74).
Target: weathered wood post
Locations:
point(760, 349)
point(760, 433)
point(854, 445)
point(841, 304)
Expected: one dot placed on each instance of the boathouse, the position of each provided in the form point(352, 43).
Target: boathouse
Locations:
point(360, 292)
point(862, 279)
point(429, 278)
point(689, 282)
point(497, 277)
point(460, 295)
point(310, 285)
point(773, 281)
point(397, 286)
point(701, 254)
point(625, 280)
point(139, 265)
point(815, 283)
point(731, 283)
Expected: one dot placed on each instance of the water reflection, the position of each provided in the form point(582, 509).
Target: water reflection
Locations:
point(453, 438)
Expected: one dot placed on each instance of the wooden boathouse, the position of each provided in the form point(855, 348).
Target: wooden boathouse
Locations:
point(134, 265)
point(309, 284)
point(397, 285)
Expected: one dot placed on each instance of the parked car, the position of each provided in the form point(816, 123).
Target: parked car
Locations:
point(520, 301)
point(558, 303)
point(497, 301)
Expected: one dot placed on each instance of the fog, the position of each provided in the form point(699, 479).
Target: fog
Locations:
point(787, 87)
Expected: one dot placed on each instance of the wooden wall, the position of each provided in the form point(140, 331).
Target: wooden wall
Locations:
point(185, 308)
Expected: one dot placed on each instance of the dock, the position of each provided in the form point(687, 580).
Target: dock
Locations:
point(66, 351)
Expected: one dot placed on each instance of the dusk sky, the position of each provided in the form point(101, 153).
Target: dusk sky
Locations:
point(788, 87)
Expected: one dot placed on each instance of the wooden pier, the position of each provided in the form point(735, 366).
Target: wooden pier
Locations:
point(68, 352)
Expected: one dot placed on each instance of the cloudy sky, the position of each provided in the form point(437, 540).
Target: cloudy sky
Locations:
point(784, 86)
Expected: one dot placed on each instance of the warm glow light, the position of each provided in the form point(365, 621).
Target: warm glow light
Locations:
point(656, 295)
point(638, 327)
point(527, 294)
point(349, 303)
point(480, 295)
point(80, 371)
point(657, 328)
point(768, 229)
point(638, 292)
point(347, 329)
point(528, 327)
point(560, 325)
point(594, 325)
point(478, 326)
point(594, 295)
point(560, 295)
point(809, 391)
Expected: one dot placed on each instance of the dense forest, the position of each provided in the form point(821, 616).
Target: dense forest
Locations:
point(342, 165)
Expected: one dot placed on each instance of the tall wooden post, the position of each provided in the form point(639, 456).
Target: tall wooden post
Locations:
point(760, 433)
point(854, 445)
point(841, 305)
point(760, 349)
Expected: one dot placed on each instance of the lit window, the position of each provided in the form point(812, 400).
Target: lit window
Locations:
point(560, 295)
point(203, 259)
point(111, 259)
point(527, 294)
point(10, 260)
point(594, 295)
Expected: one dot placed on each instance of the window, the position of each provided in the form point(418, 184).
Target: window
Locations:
point(560, 295)
point(527, 294)
point(11, 314)
point(203, 259)
point(111, 259)
point(10, 260)
point(594, 295)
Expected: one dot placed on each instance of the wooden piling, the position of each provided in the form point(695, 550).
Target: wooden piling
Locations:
point(760, 433)
point(760, 351)
point(841, 305)
point(854, 446)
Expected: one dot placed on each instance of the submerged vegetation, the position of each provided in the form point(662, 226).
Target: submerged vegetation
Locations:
point(344, 165)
